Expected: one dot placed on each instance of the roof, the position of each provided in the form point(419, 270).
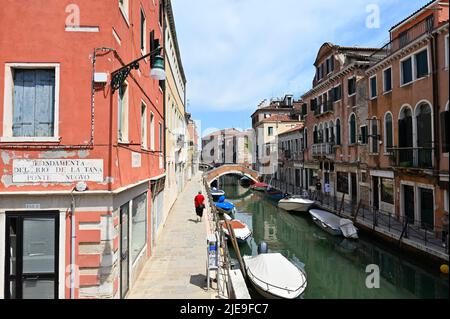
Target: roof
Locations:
point(413, 14)
point(299, 127)
point(173, 32)
point(279, 118)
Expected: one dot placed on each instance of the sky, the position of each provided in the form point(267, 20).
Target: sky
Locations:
point(236, 53)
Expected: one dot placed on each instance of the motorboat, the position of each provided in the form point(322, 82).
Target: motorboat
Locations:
point(260, 187)
point(226, 206)
point(295, 204)
point(333, 224)
point(274, 277)
point(217, 193)
point(275, 194)
point(240, 229)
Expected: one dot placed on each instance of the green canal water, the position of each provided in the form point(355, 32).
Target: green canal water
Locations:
point(335, 267)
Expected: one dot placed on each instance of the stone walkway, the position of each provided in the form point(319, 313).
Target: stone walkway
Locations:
point(177, 269)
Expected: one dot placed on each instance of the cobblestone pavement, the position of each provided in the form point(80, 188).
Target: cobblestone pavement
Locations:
point(177, 269)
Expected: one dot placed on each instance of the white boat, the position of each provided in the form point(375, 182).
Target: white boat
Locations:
point(241, 230)
point(217, 193)
point(295, 204)
point(334, 224)
point(274, 276)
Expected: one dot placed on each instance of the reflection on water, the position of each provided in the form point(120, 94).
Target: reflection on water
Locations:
point(335, 266)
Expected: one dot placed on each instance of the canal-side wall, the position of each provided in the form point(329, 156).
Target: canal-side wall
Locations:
point(230, 282)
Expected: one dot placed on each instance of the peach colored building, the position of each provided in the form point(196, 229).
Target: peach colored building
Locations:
point(408, 91)
point(61, 123)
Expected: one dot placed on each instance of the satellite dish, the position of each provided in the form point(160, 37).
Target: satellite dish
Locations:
point(81, 186)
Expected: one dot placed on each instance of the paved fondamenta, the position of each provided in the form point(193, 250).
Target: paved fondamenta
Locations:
point(177, 268)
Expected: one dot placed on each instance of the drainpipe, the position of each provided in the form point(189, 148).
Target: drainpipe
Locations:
point(435, 81)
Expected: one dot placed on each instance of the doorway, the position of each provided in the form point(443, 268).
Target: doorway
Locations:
point(376, 193)
point(124, 250)
point(427, 208)
point(31, 255)
point(408, 203)
point(354, 185)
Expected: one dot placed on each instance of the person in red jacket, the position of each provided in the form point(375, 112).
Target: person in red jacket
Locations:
point(199, 202)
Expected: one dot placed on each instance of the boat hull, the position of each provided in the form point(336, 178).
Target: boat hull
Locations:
point(294, 207)
point(329, 230)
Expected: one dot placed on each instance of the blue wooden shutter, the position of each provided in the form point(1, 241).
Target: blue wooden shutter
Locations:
point(34, 101)
point(45, 103)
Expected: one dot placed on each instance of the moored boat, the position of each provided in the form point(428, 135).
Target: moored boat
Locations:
point(274, 276)
point(333, 224)
point(275, 194)
point(240, 229)
point(295, 204)
point(217, 193)
point(260, 187)
point(226, 206)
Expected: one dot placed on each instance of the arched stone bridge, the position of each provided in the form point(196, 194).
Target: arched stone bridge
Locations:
point(216, 173)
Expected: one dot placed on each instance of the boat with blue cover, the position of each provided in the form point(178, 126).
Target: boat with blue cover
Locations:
point(226, 206)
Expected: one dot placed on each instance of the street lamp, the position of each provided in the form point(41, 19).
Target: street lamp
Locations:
point(157, 71)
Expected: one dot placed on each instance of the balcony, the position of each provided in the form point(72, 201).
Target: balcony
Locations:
point(288, 155)
point(412, 157)
point(405, 38)
point(323, 149)
point(324, 108)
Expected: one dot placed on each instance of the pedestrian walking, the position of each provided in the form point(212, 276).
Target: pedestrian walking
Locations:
point(444, 221)
point(199, 202)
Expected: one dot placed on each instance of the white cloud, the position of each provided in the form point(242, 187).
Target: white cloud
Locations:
point(238, 52)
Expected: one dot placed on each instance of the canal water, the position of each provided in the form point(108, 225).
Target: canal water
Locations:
point(335, 267)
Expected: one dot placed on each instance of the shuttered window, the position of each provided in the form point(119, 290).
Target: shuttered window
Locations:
point(352, 124)
point(421, 64)
point(351, 86)
point(373, 87)
point(445, 116)
point(407, 71)
point(338, 132)
point(387, 80)
point(34, 103)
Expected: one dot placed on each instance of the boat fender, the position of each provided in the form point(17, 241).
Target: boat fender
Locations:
point(263, 248)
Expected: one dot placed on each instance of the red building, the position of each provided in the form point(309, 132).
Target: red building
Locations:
point(63, 124)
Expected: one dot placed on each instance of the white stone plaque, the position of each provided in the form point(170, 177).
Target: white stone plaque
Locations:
point(57, 170)
point(136, 159)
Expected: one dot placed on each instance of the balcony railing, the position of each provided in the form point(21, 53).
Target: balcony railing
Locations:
point(324, 108)
point(405, 38)
point(323, 149)
point(412, 157)
point(288, 155)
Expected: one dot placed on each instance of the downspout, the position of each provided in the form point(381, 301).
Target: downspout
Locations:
point(435, 81)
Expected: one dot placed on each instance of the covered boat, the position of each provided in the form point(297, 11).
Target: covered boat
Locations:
point(333, 224)
point(217, 193)
point(261, 187)
point(295, 204)
point(275, 194)
point(226, 206)
point(241, 230)
point(274, 276)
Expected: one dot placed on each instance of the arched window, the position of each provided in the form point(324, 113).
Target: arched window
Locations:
point(332, 141)
point(388, 133)
point(315, 136)
point(405, 137)
point(424, 135)
point(327, 135)
point(320, 134)
point(374, 134)
point(338, 132)
point(352, 129)
point(305, 138)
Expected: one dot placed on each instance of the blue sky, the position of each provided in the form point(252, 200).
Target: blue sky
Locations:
point(238, 52)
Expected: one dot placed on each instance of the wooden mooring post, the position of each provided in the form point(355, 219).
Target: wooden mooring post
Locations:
point(236, 247)
point(342, 205)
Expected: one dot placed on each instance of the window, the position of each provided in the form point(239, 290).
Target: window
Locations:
point(124, 8)
point(306, 138)
point(138, 225)
point(123, 113)
point(351, 86)
point(161, 134)
point(144, 126)
point(364, 135)
point(388, 133)
point(374, 135)
point(421, 59)
point(338, 132)
point(445, 117)
point(403, 39)
point(152, 132)
point(406, 71)
point(387, 191)
point(33, 102)
point(143, 33)
point(387, 80)
point(373, 87)
point(270, 131)
point(342, 182)
point(330, 64)
point(447, 51)
point(352, 129)
point(337, 93)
